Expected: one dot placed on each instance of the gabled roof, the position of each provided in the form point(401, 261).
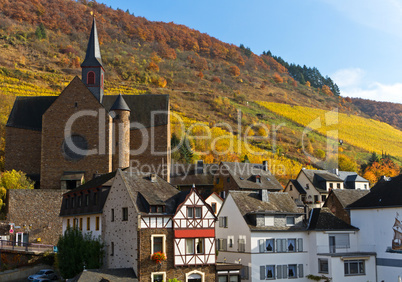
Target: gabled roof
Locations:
point(156, 192)
point(184, 195)
point(244, 175)
point(118, 274)
point(298, 187)
point(351, 176)
point(382, 195)
point(348, 196)
point(324, 220)
point(279, 203)
point(93, 55)
point(189, 174)
point(319, 177)
point(27, 112)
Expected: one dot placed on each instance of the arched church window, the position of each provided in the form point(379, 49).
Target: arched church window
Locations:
point(91, 77)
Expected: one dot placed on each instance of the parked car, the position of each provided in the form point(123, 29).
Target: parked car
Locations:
point(44, 273)
point(41, 279)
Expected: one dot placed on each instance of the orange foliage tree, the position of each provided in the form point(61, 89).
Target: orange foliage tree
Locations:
point(383, 167)
point(234, 70)
point(278, 78)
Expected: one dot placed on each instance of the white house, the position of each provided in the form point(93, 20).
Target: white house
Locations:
point(215, 202)
point(269, 236)
point(378, 216)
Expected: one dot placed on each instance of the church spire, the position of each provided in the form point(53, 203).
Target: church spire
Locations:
point(92, 68)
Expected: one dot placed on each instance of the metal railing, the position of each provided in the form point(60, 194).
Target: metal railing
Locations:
point(24, 247)
point(345, 249)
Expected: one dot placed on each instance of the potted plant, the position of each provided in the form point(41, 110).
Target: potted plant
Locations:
point(158, 257)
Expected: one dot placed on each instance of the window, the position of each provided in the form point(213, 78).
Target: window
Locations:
point(230, 239)
point(75, 223)
point(315, 198)
point(221, 244)
point(228, 179)
point(354, 267)
point(68, 222)
point(323, 198)
point(244, 272)
point(213, 206)
point(81, 223)
point(73, 202)
point(241, 244)
point(223, 221)
point(331, 185)
point(125, 214)
point(338, 241)
point(112, 215)
point(91, 77)
point(323, 266)
point(290, 187)
point(97, 223)
point(291, 245)
point(290, 220)
point(158, 276)
point(338, 185)
point(158, 243)
point(194, 212)
point(258, 178)
point(270, 272)
point(79, 201)
point(365, 186)
point(307, 186)
point(269, 220)
point(267, 245)
point(88, 223)
point(156, 209)
point(292, 270)
point(217, 180)
point(194, 246)
point(86, 200)
point(66, 203)
point(112, 249)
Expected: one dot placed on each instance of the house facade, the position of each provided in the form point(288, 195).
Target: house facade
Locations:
point(270, 237)
point(377, 215)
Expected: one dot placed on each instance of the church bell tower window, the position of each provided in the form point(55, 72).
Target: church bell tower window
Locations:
point(91, 78)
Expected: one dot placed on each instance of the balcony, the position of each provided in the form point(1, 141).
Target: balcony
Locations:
point(327, 249)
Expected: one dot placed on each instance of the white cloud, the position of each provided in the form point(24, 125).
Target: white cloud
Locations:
point(353, 83)
point(384, 15)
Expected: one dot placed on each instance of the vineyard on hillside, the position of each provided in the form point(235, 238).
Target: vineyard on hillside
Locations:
point(368, 134)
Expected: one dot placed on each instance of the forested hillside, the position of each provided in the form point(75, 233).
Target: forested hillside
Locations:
point(43, 42)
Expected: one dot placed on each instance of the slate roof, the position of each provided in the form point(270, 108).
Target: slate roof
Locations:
point(103, 182)
point(189, 174)
point(382, 195)
point(93, 54)
point(298, 187)
point(320, 177)
point(348, 196)
point(27, 112)
point(244, 176)
point(120, 104)
point(279, 203)
point(351, 176)
point(145, 192)
point(324, 220)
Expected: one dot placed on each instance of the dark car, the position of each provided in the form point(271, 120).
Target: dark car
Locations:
point(44, 273)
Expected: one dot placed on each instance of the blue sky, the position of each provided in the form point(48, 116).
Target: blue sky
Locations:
point(357, 43)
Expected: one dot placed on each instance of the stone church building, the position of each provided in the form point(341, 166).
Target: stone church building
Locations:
point(62, 141)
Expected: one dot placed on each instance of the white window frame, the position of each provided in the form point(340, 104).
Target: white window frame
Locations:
point(319, 265)
point(158, 273)
point(358, 262)
point(163, 242)
point(269, 220)
point(294, 221)
point(202, 274)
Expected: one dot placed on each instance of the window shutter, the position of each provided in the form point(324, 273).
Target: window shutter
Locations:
point(225, 244)
point(285, 271)
point(261, 243)
point(342, 241)
point(218, 244)
point(279, 271)
point(226, 221)
point(284, 246)
point(220, 221)
point(300, 245)
point(278, 246)
point(262, 272)
point(300, 270)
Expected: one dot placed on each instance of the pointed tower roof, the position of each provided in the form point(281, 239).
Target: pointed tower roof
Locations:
point(93, 55)
point(120, 104)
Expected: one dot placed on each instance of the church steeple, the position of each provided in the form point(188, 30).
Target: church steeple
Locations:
point(92, 68)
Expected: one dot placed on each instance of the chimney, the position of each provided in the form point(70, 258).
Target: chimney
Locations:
point(337, 171)
point(200, 167)
point(152, 177)
point(264, 195)
point(265, 165)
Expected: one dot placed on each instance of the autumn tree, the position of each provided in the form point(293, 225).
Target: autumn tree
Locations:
point(383, 167)
point(153, 67)
point(278, 78)
point(234, 70)
point(13, 179)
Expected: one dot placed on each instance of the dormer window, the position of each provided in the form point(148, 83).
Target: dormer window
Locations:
point(156, 209)
point(91, 77)
point(194, 212)
point(258, 179)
